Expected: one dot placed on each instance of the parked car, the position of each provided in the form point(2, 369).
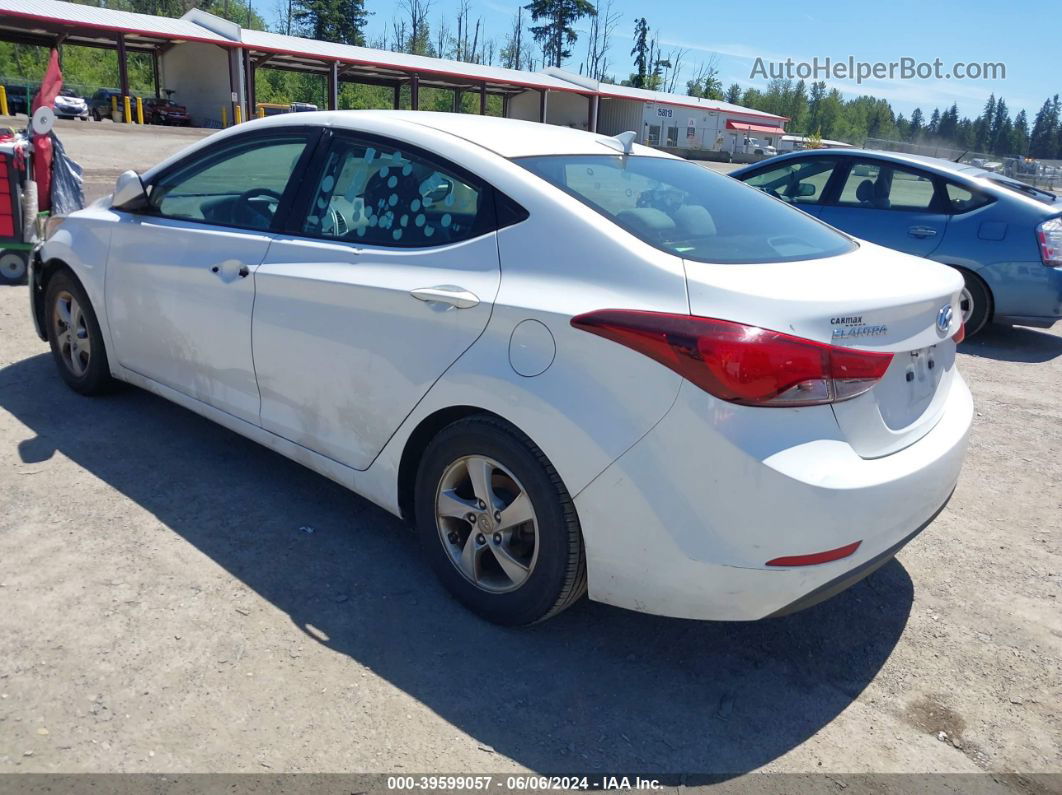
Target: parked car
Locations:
point(166, 112)
point(100, 105)
point(570, 361)
point(70, 105)
point(1003, 236)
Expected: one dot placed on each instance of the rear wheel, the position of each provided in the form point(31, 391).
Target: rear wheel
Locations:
point(497, 524)
point(975, 302)
point(13, 267)
point(75, 338)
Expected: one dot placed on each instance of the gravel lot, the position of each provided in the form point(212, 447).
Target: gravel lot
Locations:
point(166, 609)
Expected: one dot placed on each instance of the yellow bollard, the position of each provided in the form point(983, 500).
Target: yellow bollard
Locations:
point(261, 112)
point(238, 115)
point(114, 104)
point(3, 102)
point(224, 117)
point(139, 110)
point(127, 115)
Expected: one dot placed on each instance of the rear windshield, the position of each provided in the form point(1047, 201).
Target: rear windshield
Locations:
point(688, 210)
point(1020, 187)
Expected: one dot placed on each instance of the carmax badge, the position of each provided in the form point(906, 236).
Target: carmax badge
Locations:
point(852, 326)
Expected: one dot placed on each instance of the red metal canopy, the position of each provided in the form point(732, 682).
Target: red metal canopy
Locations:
point(760, 128)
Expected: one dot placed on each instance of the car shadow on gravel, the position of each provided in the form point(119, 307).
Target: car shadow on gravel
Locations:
point(1014, 344)
point(596, 689)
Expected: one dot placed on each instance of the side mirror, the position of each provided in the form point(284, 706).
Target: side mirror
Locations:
point(806, 189)
point(129, 193)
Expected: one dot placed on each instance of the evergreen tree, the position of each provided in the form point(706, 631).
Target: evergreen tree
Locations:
point(1043, 141)
point(733, 94)
point(557, 33)
point(341, 21)
point(916, 128)
point(640, 53)
point(1019, 134)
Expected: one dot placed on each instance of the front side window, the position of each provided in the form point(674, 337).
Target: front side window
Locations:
point(238, 186)
point(380, 195)
point(878, 186)
point(796, 181)
point(687, 210)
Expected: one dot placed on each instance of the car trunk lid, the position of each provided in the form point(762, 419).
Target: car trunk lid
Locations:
point(873, 299)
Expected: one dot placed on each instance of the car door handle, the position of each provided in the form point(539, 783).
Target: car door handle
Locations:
point(446, 294)
point(921, 231)
point(242, 271)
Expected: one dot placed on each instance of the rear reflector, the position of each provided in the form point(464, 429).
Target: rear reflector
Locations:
point(817, 557)
point(740, 363)
point(959, 335)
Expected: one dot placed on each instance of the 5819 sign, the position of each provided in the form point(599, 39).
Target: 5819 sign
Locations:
point(666, 113)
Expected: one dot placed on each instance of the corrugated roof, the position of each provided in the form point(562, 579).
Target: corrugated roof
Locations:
point(56, 12)
point(346, 53)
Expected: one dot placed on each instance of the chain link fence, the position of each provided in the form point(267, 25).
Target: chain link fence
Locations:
point(1040, 173)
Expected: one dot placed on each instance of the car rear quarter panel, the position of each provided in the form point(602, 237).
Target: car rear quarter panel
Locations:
point(596, 398)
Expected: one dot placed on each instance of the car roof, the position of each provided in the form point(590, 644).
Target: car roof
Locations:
point(937, 164)
point(506, 137)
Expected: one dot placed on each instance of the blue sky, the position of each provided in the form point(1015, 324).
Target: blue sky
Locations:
point(1023, 34)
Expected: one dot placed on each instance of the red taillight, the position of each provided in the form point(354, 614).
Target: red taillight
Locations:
point(1049, 236)
point(739, 363)
point(959, 335)
point(817, 557)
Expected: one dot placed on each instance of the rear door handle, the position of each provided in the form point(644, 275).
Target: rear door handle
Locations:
point(446, 294)
point(921, 231)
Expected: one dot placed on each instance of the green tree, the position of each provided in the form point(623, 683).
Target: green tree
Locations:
point(1044, 138)
point(341, 21)
point(733, 94)
point(640, 53)
point(1019, 134)
point(557, 33)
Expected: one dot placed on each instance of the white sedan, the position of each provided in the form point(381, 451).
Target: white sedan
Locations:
point(575, 364)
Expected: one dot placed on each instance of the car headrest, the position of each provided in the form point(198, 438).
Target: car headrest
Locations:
point(694, 220)
point(866, 192)
point(647, 221)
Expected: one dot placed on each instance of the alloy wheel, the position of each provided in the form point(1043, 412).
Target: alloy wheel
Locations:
point(966, 304)
point(71, 334)
point(487, 524)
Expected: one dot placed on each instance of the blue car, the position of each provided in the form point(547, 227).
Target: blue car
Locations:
point(1003, 236)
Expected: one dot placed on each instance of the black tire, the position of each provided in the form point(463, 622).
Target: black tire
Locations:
point(95, 376)
point(558, 577)
point(96, 115)
point(13, 266)
point(978, 294)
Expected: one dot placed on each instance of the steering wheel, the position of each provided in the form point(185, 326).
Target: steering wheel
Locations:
point(249, 213)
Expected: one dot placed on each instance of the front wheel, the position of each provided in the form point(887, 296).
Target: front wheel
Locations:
point(75, 337)
point(975, 303)
point(497, 524)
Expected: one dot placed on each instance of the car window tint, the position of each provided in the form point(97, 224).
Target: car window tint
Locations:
point(239, 186)
point(962, 200)
point(380, 195)
point(797, 181)
point(877, 186)
point(686, 209)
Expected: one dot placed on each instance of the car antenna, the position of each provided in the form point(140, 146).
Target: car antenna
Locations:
point(960, 157)
point(623, 142)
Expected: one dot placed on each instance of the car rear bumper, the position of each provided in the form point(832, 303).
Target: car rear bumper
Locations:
point(684, 522)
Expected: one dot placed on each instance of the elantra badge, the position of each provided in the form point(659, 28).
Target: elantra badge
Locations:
point(944, 319)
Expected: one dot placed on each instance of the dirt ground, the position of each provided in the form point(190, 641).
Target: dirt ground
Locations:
point(175, 598)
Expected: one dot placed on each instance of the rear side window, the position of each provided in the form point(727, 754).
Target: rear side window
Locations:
point(962, 200)
point(378, 194)
point(798, 181)
point(688, 210)
point(876, 186)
